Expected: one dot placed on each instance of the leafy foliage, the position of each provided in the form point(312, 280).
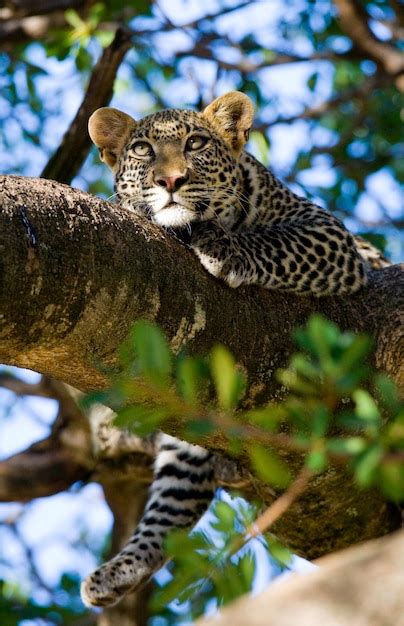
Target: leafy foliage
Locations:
point(330, 416)
point(16, 606)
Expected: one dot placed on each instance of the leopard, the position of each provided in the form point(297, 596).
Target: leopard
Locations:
point(189, 173)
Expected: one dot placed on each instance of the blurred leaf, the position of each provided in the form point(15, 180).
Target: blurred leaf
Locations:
point(152, 351)
point(317, 460)
point(140, 419)
point(349, 445)
point(391, 479)
point(387, 391)
point(73, 18)
point(366, 407)
point(366, 463)
point(278, 551)
point(84, 60)
point(269, 466)
point(191, 374)
point(312, 81)
point(229, 381)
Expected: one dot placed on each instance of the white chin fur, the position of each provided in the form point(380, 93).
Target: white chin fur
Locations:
point(173, 216)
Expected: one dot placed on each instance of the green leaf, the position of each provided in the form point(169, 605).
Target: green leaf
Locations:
point(140, 419)
point(388, 391)
point(278, 551)
point(355, 352)
point(366, 408)
point(350, 445)
point(394, 432)
point(104, 37)
point(152, 351)
point(226, 515)
point(229, 382)
point(84, 60)
point(267, 417)
point(321, 418)
point(73, 18)
point(197, 428)
point(312, 81)
point(317, 461)
point(365, 464)
point(190, 374)
point(261, 146)
point(175, 541)
point(269, 467)
point(296, 383)
point(318, 337)
point(304, 366)
point(247, 566)
point(391, 479)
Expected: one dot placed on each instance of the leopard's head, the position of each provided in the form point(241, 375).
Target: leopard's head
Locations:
point(175, 166)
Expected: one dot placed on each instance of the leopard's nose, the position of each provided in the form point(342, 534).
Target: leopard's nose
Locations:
point(171, 183)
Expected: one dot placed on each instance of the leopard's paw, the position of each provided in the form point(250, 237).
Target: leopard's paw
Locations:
point(210, 262)
point(233, 279)
point(107, 584)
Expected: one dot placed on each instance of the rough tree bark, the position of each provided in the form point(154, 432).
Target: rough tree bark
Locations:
point(77, 272)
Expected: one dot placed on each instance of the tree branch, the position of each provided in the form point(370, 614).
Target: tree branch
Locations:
point(360, 92)
point(354, 22)
point(70, 155)
point(25, 21)
point(41, 389)
point(78, 272)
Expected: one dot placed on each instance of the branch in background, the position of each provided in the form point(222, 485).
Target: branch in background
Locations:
point(25, 8)
point(354, 22)
point(399, 12)
point(41, 389)
point(203, 50)
point(69, 157)
point(312, 113)
point(29, 556)
point(44, 469)
point(33, 20)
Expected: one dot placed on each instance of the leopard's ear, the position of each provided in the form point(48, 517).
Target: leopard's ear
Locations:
point(232, 116)
point(109, 129)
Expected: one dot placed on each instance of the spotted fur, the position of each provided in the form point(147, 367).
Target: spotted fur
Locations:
point(187, 172)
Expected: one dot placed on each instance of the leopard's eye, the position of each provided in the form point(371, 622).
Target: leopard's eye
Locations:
point(196, 142)
point(142, 149)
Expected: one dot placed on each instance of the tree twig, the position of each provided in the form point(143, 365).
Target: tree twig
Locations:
point(281, 504)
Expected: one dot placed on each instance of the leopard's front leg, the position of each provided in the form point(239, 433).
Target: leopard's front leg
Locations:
point(219, 252)
point(315, 257)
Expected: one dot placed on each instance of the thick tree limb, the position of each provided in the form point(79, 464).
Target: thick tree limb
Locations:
point(361, 586)
point(77, 272)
